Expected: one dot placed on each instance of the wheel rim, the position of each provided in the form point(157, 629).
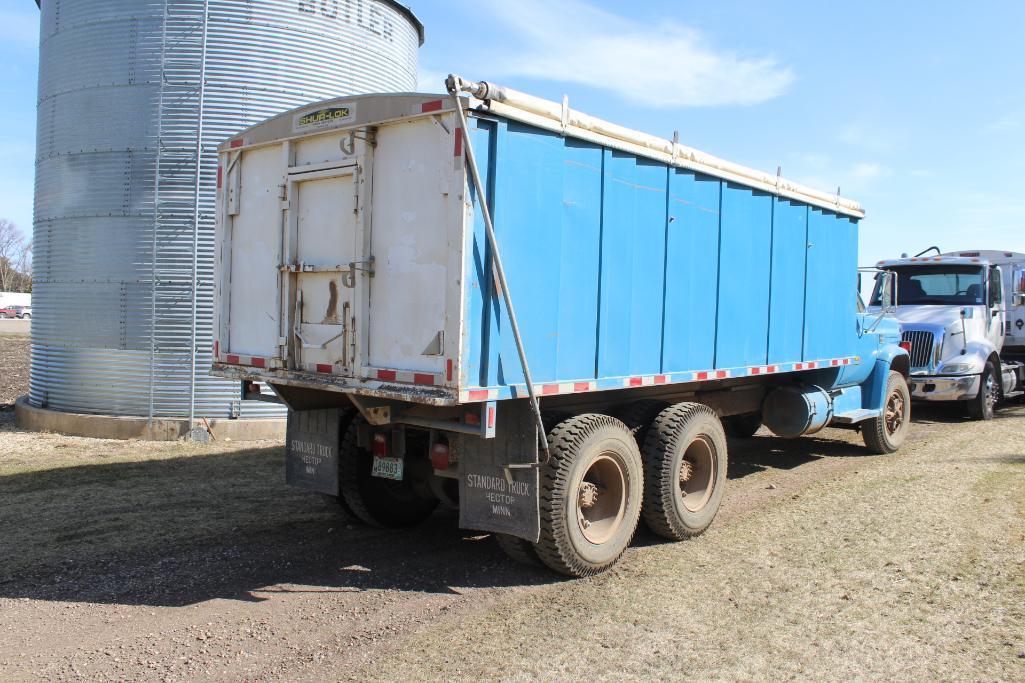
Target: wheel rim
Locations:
point(894, 417)
point(601, 499)
point(697, 474)
point(992, 392)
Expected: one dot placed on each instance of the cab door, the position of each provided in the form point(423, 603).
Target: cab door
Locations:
point(995, 305)
point(1015, 323)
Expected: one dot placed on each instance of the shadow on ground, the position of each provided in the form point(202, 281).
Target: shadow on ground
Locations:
point(182, 530)
point(765, 451)
point(159, 530)
point(955, 412)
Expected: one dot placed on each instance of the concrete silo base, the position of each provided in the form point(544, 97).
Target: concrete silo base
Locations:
point(158, 429)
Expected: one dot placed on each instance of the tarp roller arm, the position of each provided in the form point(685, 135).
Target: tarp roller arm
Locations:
point(455, 85)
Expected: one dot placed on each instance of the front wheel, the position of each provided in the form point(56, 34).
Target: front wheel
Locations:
point(886, 433)
point(591, 493)
point(983, 406)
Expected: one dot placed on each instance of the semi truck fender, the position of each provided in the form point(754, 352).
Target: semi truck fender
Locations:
point(978, 352)
point(874, 389)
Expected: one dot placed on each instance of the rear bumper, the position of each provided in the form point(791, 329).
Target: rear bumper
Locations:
point(933, 388)
point(413, 393)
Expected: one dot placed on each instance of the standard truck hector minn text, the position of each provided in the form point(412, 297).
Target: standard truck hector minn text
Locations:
point(495, 302)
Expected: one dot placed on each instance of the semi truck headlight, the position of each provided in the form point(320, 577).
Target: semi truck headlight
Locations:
point(957, 368)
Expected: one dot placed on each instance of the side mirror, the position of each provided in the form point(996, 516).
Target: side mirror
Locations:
point(888, 294)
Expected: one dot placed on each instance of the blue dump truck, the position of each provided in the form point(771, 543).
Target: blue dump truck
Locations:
point(495, 302)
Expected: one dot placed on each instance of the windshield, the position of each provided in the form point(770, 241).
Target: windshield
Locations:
point(939, 284)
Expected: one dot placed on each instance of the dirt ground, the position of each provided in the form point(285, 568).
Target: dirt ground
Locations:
point(169, 562)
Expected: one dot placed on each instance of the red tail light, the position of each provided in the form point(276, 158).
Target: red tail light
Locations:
point(379, 445)
point(906, 345)
point(439, 456)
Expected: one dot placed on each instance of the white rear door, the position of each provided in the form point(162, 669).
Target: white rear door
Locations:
point(324, 207)
point(251, 253)
point(416, 201)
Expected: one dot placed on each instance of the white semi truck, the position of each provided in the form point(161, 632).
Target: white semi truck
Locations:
point(962, 316)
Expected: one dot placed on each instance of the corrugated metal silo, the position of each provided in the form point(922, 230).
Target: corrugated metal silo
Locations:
point(134, 96)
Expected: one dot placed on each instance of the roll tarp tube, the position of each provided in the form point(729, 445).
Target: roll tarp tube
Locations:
point(707, 163)
point(454, 84)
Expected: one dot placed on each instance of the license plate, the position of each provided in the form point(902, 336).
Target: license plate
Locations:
point(387, 468)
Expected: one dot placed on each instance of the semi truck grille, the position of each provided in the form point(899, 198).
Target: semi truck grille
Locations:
point(921, 347)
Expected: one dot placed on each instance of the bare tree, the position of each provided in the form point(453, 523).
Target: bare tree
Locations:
point(15, 259)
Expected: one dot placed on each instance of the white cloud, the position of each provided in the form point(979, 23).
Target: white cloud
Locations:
point(1006, 123)
point(664, 64)
point(864, 172)
point(822, 173)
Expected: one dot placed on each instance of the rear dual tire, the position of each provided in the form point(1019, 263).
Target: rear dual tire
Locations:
point(685, 460)
point(374, 501)
point(598, 483)
point(742, 426)
point(591, 492)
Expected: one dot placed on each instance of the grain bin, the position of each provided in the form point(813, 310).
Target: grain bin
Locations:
point(134, 96)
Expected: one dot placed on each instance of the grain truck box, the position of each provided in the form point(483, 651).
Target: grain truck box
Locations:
point(492, 301)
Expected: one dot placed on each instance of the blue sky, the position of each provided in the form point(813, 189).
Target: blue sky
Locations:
point(916, 109)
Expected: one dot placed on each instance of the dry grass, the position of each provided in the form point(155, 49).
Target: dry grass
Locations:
point(913, 567)
point(81, 500)
point(14, 357)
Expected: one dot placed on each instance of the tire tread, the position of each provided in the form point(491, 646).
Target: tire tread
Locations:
point(873, 432)
point(658, 511)
point(554, 547)
point(355, 497)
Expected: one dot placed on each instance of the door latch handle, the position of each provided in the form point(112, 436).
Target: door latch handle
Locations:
point(349, 278)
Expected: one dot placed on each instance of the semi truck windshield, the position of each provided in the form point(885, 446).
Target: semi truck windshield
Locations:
point(939, 284)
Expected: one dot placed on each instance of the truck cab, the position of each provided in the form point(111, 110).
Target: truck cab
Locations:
point(962, 316)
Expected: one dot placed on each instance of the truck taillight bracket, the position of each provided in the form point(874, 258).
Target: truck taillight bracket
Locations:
point(382, 413)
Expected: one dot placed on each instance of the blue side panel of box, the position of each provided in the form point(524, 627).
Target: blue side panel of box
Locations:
point(744, 254)
point(831, 286)
point(692, 272)
point(621, 266)
point(786, 310)
point(632, 265)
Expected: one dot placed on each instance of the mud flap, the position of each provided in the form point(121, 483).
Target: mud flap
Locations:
point(311, 450)
point(492, 496)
